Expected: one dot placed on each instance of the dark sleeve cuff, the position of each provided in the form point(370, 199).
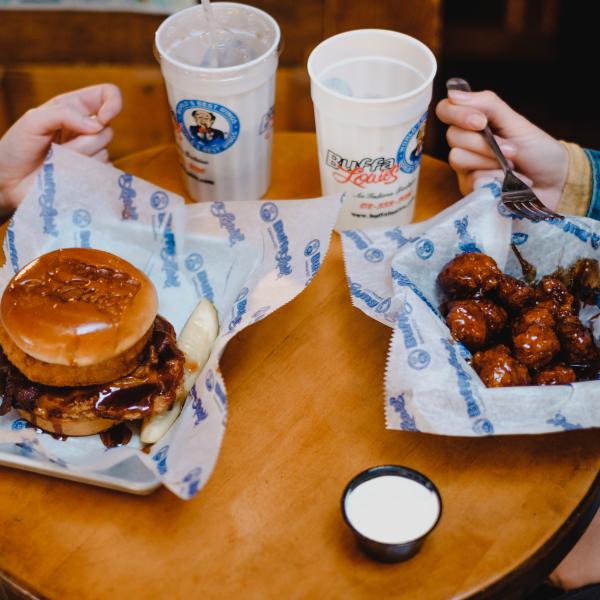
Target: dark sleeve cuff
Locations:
point(594, 158)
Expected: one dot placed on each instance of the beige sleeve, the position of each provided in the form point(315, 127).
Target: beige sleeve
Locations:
point(576, 194)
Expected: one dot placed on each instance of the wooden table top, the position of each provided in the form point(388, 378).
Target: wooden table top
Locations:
point(306, 414)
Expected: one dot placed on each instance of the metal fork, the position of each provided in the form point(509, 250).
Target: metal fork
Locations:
point(518, 197)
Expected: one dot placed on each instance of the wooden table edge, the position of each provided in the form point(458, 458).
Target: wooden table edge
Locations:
point(545, 559)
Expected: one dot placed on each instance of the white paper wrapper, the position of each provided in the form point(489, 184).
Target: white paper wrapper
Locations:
point(249, 258)
point(429, 385)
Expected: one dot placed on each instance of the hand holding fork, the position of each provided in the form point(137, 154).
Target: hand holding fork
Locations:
point(537, 156)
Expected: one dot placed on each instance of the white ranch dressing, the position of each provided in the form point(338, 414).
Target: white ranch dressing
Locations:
point(392, 509)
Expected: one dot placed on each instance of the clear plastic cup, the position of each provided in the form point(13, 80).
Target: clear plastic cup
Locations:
point(371, 89)
point(222, 116)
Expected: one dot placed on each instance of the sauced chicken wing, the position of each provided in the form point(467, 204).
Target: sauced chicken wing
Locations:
point(536, 315)
point(497, 368)
point(536, 346)
point(558, 374)
point(514, 293)
point(552, 293)
point(577, 342)
point(469, 275)
point(467, 323)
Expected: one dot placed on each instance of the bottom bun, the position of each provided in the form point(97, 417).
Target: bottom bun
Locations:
point(69, 427)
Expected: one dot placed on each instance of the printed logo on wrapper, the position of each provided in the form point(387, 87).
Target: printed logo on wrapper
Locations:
point(419, 359)
point(160, 458)
point(425, 249)
point(227, 222)
point(10, 241)
point(127, 197)
point(374, 255)
point(313, 259)
point(194, 263)
point(210, 380)
point(191, 482)
point(209, 127)
point(162, 224)
point(200, 413)
point(560, 421)
point(519, 238)
point(82, 219)
point(369, 297)
point(47, 198)
point(269, 213)
point(411, 148)
point(240, 306)
point(407, 421)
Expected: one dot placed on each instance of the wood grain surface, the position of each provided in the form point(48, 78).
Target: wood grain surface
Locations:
point(306, 414)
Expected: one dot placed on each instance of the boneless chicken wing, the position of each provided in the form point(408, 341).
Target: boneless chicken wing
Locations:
point(536, 315)
point(467, 323)
point(514, 293)
point(536, 346)
point(558, 374)
point(497, 368)
point(577, 342)
point(469, 275)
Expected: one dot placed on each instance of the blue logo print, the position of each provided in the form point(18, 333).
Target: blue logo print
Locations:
point(407, 421)
point(159, 200)
point(160, 458)
point(210, 127)
point(192, 481)
point(519, 238)
point(312, 247)
point(374, 255)
point(409, 163)
point(483, 427)
point(418, 359)
point(268, 212)
point(200, 413)
point(81, 218)
point(194, 262)
point(425, 249)
point(210, 380)
point(19, 424)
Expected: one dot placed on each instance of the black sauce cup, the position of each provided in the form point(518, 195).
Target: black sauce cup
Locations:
point(382, 551)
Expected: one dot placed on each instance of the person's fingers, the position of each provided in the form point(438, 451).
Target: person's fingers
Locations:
point(475, 142)
point(47, 119)
point(465, 160)
point(102, 155)
point(465, 117)
point(90, 144)
point(102, 101)
point(502, 118)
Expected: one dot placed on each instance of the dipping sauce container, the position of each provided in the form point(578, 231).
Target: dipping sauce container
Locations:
point(391, 510)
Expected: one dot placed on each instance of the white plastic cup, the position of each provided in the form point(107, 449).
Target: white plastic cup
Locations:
point(371, 89)
point(230, 158)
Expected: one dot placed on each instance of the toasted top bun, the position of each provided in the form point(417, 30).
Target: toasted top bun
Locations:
point(77, 307)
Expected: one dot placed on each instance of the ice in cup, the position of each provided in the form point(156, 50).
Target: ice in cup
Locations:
point(371, 89)
point(221, 96)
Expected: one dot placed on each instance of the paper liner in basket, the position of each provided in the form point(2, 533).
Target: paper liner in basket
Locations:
point(248, 258)
point(429, 384)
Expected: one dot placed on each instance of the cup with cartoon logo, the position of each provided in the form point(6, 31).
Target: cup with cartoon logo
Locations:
point(221, 110)
point(371, 89)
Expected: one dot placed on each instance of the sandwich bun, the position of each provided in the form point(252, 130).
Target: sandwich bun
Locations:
point(77, 317)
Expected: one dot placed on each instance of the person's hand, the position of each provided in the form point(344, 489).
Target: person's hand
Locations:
point(78, 120)
point(539, 159)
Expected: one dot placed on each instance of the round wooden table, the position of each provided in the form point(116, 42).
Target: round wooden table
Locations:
point(306, 414)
